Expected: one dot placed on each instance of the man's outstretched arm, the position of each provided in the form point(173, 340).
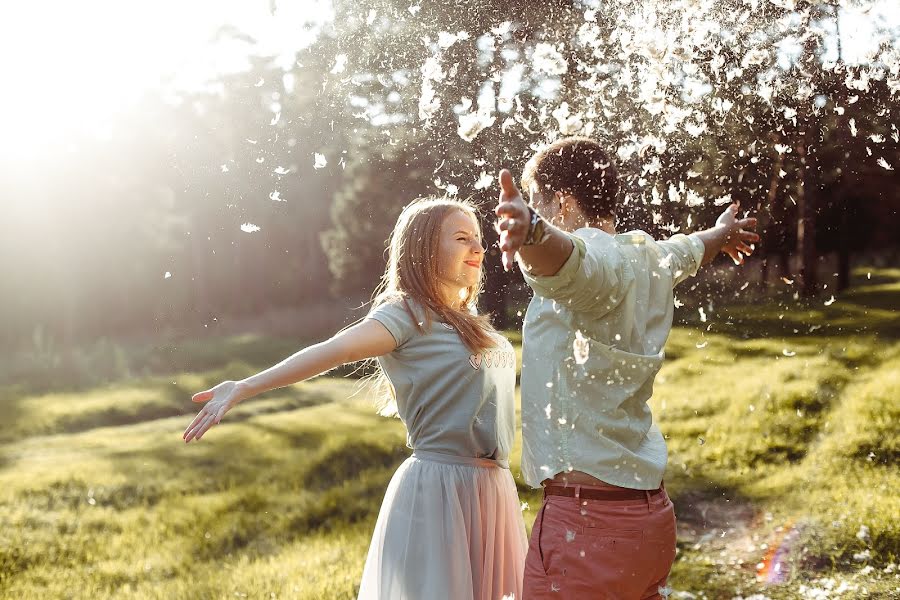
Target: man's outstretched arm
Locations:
point(513, 223)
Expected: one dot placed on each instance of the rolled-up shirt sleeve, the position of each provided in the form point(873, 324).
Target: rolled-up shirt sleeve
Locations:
point(590, 277)
point(683, 254)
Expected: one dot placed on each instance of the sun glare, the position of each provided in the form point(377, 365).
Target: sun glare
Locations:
point(74, 68)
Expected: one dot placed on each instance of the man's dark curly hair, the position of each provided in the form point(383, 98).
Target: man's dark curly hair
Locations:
point(580, 167)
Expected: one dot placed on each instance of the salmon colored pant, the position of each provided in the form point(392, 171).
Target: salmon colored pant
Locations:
point(601, 549)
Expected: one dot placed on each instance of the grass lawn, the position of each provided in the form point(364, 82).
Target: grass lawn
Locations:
point(781, 427)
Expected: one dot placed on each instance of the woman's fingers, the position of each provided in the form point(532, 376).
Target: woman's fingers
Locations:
point(203, 422)
point(194, 423)
point(744, 249)
point(204, 426)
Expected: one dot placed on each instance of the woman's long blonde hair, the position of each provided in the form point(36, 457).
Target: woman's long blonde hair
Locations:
point(411, 274)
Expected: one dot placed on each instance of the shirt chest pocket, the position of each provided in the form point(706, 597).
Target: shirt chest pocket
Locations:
point(611, 387)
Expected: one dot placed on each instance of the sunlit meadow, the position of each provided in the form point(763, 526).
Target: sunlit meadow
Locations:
point(782, 468)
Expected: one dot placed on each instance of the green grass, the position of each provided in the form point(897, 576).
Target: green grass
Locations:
point(770, 431)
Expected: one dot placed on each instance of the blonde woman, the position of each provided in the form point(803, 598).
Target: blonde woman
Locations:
point(450, 524)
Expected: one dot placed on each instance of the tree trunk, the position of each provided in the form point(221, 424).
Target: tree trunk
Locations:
point(806, 222)
point(843, 280)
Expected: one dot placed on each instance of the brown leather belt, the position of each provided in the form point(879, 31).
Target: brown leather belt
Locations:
point(588, 493)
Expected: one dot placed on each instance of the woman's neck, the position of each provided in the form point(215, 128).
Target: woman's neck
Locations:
point(452, 296)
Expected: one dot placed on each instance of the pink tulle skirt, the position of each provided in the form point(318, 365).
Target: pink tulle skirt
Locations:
point(449, 527)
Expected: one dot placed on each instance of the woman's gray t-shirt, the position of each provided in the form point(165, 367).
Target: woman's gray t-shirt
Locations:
point(451, 400)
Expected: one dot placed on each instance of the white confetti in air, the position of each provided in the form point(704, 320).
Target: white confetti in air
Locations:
point(853, 127)
point(885, 164)
point(372, 16)
point(446, 39)
point(678, 303)
point(224, 168)
point(321, 162)
point(249, 228)
point(702, 344)
point(787, 352)
point(501, 29)
point(695, 129)
point(473, 123)
point(276, 197)
point(581, 348)
point(340, 63)
point(726, 199)
point(429, 103)
point(484, 181)
point(548, 410)
point(281, 171)
point(547, 59)
point(755, 56)
point(830, 301)
point(168, 275)
point(570, 535)
point(414, 10)
point(702, 314)
point(275, 119)
point(452, 189)
point(569, 124)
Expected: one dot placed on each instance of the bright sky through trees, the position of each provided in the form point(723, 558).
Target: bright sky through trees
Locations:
point(75, 67)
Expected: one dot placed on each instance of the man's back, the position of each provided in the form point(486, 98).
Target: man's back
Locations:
point(592, 344)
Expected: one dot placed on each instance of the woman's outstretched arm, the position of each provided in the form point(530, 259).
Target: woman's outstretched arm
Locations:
point(363, 340)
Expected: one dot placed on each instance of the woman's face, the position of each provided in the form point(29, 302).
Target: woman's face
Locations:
point(460, 254)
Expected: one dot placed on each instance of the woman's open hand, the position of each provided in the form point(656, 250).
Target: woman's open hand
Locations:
point(219, 400)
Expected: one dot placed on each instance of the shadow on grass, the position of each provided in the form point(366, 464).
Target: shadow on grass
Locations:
point(342, 487)
point(705, 504)
point(350, 460)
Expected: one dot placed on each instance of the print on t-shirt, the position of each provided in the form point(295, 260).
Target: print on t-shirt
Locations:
point(493, 358)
